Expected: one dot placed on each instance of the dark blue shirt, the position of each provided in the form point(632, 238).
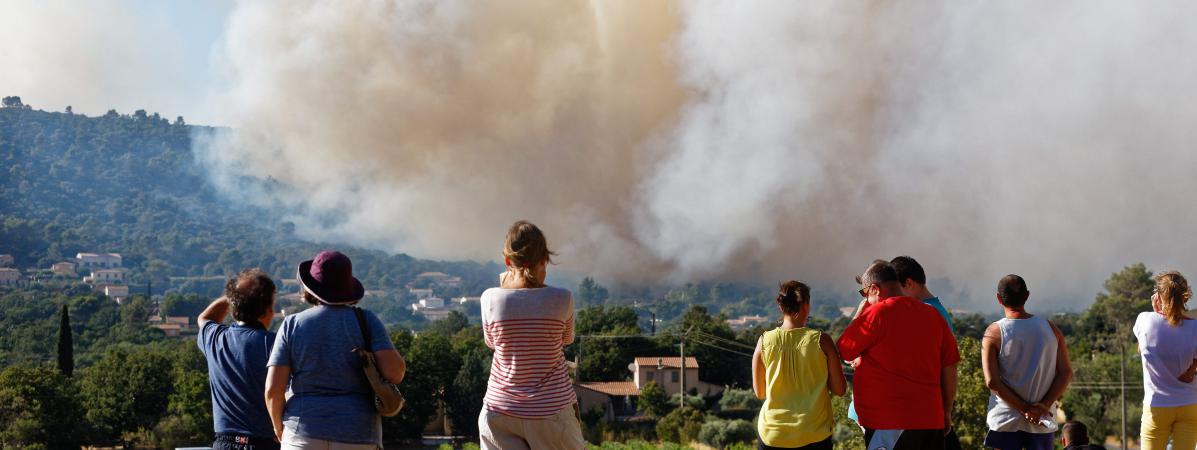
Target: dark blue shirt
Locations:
point(331, 398)
point(237, 357)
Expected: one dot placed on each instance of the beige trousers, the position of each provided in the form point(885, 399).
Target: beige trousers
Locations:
point(296, 442)
point(559, 431)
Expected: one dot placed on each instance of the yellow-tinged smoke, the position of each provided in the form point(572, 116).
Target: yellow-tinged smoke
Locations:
point(703, 138)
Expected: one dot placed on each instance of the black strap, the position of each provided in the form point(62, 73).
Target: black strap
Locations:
point(361, 323)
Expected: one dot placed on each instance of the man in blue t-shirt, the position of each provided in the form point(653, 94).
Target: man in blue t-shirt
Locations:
point(236, 356)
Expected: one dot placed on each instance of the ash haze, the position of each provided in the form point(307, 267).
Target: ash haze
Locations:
point(702, 139)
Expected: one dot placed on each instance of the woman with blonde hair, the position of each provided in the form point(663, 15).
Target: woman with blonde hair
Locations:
point(1168, 345)
point(530, 401)
point(794, 368)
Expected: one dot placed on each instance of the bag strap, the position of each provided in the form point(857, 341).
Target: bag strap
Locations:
point(361, 323)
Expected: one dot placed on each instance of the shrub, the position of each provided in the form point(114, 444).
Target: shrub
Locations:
point(739, 399)
point(681, 425)
point(720, 433)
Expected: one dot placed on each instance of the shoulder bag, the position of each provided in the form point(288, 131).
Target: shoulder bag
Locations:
point(387, 399)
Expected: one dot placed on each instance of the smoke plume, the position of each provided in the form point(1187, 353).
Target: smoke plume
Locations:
point(734, 140)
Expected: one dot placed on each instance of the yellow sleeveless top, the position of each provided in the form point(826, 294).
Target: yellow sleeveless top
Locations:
point(797, 408)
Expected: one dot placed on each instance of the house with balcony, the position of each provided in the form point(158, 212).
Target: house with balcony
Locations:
point(105, 276)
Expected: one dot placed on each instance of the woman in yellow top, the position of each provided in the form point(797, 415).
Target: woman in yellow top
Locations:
point(793, 370)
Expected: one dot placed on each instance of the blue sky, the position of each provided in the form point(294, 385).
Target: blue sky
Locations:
point(124, 55)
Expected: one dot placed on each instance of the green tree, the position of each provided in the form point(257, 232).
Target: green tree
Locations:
point(463, 401)
point(66, 345)
point(186, 305)
point(972, 396)
point(653, 401)
point(126, 391)
point(432, 366)
point(721, 359)
point(38, 407)
point(450, 325)
point(188, 419)
point(739, 399)
point(590, 293)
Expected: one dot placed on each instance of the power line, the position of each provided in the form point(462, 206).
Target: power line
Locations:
point(708, 344)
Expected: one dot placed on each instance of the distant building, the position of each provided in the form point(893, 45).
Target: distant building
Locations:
point(98, 260)
point(106, 276)
point(847, 311)
point(116, 292)
point(181, 321)
point(439, 279)
point(66, 269)
point(7, 261)
point(464, 300)
point(617, 399)
point(743, 322)
point(432, 302)
point(420, 294)
point(433, 315)
point(170, 329)
point(9, 276)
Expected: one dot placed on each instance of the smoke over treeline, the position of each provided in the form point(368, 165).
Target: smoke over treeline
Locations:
point(741, 140)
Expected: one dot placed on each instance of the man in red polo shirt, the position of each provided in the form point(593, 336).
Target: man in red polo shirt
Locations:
point(905, 381)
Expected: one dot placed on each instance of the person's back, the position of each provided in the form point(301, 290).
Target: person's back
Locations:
point(797, 406)
point(331, 399)
point(903, 345)
point(236, 356)
point(528, 328)
point(1027, 361)
point(1167, 351)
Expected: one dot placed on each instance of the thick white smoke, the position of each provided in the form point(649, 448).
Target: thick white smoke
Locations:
point(752, 139)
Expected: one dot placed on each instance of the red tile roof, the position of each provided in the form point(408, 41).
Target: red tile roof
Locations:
point(667, 361)
point(612, 387)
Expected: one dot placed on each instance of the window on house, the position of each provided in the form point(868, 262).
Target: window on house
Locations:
point(673, 376)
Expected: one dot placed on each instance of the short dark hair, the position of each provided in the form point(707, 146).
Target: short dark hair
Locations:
point(1013, 290)
point(791, 295)
point(879, 272)
point(1076, 433)
point(250, 293)
point(908, 268)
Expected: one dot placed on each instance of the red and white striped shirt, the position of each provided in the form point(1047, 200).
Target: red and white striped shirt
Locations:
point(527, 329)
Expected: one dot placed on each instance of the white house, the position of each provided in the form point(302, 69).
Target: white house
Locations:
point(420, 294)
point(106, 276)
point(116, 292)
point(98, 260)
point(432, 302)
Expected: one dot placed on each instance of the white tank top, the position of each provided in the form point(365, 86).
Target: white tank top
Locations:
point(1027, 363)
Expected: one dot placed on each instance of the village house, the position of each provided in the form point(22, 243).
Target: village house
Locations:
point(183, 322)
point(116, 292)
point(440, 279)
point(66, 269)
point(105, 276)
point(420, 294)
point(617, 399)
point(9, 276)
point(98, 260)
point(743, 322)
point(7, 261)
point(170, 329)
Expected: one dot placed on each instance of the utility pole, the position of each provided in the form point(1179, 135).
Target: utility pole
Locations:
point(653, 324)
point(682, 399)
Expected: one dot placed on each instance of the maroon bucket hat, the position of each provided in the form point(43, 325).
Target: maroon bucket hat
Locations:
point(330, 278)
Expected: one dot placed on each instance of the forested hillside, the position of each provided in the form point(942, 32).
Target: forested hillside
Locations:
point(129, 184)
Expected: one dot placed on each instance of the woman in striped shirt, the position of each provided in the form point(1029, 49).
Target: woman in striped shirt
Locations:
point(530, 401)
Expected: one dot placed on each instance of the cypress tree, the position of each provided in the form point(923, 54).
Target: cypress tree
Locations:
point(66, 345)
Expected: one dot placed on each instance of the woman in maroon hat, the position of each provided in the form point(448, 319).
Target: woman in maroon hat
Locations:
point(331, 403)
point(530, 401)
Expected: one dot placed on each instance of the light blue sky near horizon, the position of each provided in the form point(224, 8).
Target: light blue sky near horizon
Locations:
point(115, 54)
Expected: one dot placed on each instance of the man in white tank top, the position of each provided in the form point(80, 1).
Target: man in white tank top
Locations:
point(1027, 370)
